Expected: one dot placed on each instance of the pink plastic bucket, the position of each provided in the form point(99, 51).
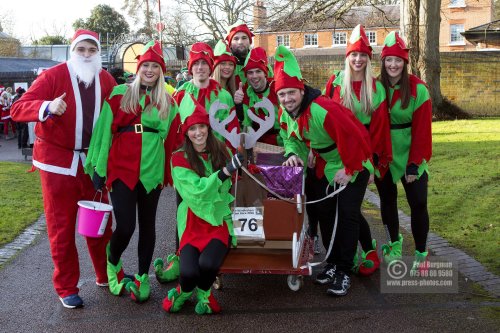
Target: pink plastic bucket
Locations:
point(93, 217)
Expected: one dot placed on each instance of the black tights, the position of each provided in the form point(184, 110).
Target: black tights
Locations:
point(124, 207)
point(416, 194)
point(200, 269)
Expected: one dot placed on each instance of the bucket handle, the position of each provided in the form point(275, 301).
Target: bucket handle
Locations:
point(100, 198)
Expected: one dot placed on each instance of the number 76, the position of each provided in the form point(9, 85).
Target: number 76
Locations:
point(252, 224)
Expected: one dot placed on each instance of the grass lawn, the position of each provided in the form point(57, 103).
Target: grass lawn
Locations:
point(21, 201)
point(464, 187)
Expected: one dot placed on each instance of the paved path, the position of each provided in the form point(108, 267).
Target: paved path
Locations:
point(250, 303)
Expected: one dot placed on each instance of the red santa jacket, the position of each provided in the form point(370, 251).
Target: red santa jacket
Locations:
point(59, 139)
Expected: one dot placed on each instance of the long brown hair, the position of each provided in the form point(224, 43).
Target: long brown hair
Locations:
point(217, 150)
point(404, 85)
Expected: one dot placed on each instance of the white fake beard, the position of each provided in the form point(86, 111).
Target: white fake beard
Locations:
point(86, 68)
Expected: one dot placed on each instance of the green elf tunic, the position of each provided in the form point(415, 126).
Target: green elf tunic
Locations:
point(332, 132)
point(377, 123)
point(249, 100)
point(411, 129)
point(206, 97)
point(204, 212)
point(127, 155)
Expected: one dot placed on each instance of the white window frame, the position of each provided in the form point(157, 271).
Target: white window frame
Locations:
point(457, 4)
point(338, 33)
point(285, 40)
point(312, 37)
point(461, 41)
point(374, 33)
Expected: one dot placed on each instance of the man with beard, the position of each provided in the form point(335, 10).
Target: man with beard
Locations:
point(66, 101)
point(239, 39)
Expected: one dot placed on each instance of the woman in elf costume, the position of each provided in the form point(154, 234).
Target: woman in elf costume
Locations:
point(203, 180)
point(411, 116)
point(127, 155)
point(224, 66)
point(366, 99)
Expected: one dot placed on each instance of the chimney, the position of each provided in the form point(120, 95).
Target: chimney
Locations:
point(259, 14)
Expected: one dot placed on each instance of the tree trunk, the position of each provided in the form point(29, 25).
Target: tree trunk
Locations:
point(429, 64)
point(409, 26)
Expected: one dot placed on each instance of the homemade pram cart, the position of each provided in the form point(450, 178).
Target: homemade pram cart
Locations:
point(272, 234)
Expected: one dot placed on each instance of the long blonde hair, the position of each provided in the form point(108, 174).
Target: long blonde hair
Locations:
point(366, 88)
point(159, 97)
point(230, 83)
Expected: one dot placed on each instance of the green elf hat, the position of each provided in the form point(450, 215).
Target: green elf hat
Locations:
point(239, 26)
point(358, 42)
point(197, 113)
point(199, 51)
point(286, 70)
point(184, 69)
point(256, 58)
point(151, 52)
point(222, 53)
point(395, 46)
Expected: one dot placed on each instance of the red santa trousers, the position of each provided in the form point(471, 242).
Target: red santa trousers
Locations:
point(61, 194)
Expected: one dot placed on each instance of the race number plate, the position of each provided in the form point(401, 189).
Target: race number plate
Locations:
point(248, 223)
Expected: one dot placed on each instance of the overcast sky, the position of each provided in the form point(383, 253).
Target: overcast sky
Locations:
point(32, 19)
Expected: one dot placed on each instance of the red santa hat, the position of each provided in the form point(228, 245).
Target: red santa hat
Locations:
point(2, 88)
point(394, 46)
point(199, 51)
point(223, 53)
point(238, 27)
point(257, 58)
point(151, 52)
point(197, 114)
point(83, 34)
point(358, 42)
point(286, 70)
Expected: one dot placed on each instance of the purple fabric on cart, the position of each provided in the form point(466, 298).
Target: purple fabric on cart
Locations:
point(284, 180)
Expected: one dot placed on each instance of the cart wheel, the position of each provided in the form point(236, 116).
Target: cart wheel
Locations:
point(218, 283)
point(295, 282)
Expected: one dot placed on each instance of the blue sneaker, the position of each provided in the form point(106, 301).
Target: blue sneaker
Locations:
point(72, 301)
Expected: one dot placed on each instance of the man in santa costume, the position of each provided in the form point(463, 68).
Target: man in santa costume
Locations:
point(66, 101)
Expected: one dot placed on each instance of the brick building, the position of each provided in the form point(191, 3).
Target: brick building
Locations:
point(330, 37)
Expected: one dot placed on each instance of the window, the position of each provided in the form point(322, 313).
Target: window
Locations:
point(457, 3)
point(283, 40)
point(339, 38)
point(455, 36)
point(310, 40)
point(372, 37)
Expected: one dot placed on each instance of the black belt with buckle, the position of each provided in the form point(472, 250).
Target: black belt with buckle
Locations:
point(137, 128)
point(400, 126)
point(331, 147)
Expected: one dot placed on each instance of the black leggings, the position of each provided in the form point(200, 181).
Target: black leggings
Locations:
point(200, 269)
point(346, 237)
point(124, 207)
point(416, 194)
point(315, 189)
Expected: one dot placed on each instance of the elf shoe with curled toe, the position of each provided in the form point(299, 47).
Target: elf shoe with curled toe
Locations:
point(140, 288)
point(370, 261)
point(175, 299)
point(172, 271)
point(393, 250)
point(207, 304)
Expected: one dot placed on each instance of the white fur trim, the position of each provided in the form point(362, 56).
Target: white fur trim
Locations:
point(71, 171)
point(42, 110)
point(83, 37)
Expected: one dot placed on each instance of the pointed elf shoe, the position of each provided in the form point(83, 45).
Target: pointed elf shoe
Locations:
point(116, 277)
point(370, 261)
point(420, 264)
point(393, 250)
point(207, 304)
point(140, 288)
point(175, 299)
point(172, 271)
